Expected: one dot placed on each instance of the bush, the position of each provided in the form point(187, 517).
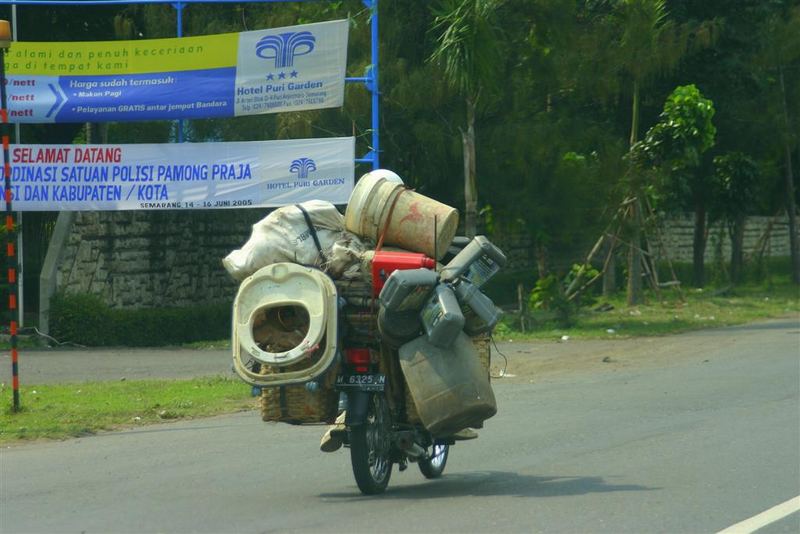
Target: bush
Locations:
point(564, 297)
point(754, 272)
point(87, 320)
point(548, 294)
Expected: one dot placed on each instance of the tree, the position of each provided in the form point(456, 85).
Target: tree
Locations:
point(469, 54)
point(674, 147)
point(735, 179)
point(649, 44)
point(550, 149)
point(778, 59)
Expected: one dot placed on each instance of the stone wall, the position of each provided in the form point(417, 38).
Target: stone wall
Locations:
point(519, 250)
point(678, 234)
point(173, 258)
point(153, 259)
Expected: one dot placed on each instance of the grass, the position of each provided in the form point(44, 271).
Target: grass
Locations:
point(218, 344)
point(708, 308)
point(698, 309)
point(58, 411)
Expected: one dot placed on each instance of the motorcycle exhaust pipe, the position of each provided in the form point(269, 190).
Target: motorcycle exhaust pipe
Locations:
point(410, 447)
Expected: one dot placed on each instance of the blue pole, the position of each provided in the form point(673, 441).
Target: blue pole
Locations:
point(179, 8)
point(375, 92)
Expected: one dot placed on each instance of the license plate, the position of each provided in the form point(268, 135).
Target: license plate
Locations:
point(367, 382)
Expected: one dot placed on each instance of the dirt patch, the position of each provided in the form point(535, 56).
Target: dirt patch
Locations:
point(534, 361)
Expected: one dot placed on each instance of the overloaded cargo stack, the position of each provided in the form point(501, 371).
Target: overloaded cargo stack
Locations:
point(318, 287)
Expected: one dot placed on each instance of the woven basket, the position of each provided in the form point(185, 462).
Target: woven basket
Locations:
point(296, 405)
point(482, 345)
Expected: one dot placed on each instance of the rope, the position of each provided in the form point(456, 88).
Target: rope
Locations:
point(389, 219)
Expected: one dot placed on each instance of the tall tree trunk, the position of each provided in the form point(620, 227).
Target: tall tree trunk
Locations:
point(470, 185)
point(634, 293)
point(610, 276)
point(737, 248)
point(699, 242)
point(634, 289)
point(791, 207)
point(542, 259)
point(635, 113)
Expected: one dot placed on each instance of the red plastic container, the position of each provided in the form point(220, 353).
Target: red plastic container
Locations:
point(384, 263)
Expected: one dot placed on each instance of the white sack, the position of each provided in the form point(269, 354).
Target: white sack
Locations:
point(284, 236)
point(345, 253)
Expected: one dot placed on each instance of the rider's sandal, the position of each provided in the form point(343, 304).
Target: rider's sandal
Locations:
point(333, 437)
point(464, 435)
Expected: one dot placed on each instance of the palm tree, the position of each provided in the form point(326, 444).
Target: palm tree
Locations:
point(468, 52)
point(649, 44)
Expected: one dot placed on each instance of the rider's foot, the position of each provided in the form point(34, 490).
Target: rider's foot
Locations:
point(334, 436)
point(465, 434)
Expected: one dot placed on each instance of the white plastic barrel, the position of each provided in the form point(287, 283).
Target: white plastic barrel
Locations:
point(417, 223)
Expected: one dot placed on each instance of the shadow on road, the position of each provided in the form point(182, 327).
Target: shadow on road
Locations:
point(490, 483)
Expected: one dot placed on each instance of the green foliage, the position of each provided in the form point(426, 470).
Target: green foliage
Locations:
point(468, 43)
point(85, 319)
point(649, 42)
point(756, 272)
point(735, 178)
point(556, 80)
point(561, 296)
point(548, 294)
point(81, 318)
point(576, 281)
point(670, 314)
point(684, 132)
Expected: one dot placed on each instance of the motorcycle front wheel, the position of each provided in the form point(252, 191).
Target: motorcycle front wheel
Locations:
point(370, 448)
point(433, 467)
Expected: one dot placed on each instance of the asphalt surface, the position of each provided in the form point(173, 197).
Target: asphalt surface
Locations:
point(693, 443)
point(47, 366)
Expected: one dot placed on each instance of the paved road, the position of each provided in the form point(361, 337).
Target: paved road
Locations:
point(81, 365)
point(694, 444)
point(528, 362)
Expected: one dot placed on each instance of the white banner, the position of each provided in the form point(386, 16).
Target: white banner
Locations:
point(290, 69)
point(181, 176)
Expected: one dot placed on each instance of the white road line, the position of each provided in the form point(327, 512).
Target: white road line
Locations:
point(776, 513)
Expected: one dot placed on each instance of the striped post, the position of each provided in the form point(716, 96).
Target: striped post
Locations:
point(11, 253)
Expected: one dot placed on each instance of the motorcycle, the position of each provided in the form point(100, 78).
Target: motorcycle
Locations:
point(315, 338)
point(377, 429)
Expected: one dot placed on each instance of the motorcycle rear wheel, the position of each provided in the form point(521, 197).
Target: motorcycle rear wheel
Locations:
point(370, 448)
point(433, 467)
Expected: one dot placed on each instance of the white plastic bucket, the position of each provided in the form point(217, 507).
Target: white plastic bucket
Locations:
point(412, 221)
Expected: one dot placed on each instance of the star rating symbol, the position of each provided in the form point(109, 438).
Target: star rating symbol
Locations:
point(270, 77)
point(281, 75)
point(293, 74)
